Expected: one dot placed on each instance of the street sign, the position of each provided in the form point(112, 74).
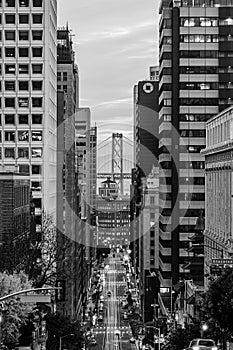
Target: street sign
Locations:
point(35, 298)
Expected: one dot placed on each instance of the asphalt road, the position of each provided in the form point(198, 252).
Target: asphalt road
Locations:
point(114, 333)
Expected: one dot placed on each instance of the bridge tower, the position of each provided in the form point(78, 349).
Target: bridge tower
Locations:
point(117, 160)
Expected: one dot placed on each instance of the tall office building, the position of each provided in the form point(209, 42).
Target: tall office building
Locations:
point(28, 140)
point(219, 190)
point(196, 82)
point(146, 120)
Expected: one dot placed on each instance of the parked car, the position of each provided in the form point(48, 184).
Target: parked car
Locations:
point(125, 316)
point(109, 293)
point(132, 340)
point(202, 344)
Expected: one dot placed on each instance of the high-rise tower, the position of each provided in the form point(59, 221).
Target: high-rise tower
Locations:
point(196, 82)
point(28, 96)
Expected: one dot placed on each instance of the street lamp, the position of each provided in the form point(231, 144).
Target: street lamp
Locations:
point(204, 328)
point(64, 336)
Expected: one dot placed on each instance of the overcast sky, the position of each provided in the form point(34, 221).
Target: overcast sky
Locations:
point(115, 43)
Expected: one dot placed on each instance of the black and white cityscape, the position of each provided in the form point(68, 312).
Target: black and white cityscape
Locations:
point(116, 175)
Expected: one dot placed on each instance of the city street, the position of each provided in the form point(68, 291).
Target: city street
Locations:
point(114, 332)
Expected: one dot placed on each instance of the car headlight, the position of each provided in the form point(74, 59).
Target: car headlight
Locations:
point(214, 348)
point(195, 347)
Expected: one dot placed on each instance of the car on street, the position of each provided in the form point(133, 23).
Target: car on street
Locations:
point(100, 318)
point(202, 344)
point(109, 293)
point(125, 316)
point(132, 340)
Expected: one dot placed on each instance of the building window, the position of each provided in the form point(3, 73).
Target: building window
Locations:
point(9, 35)
point(36, 118)
point(24, 168)
point(10, 85)
point(9, 102)
point(10, 136)
point(10, 19)
point(37, 51)
point(37, 19)
point(10, 3)
point(9, 52)
point(36, 152)
point(36, 186)
point(64, 76)
point(36, 169)
point(37, 102)
point(152, 200)
point(23, 153)
point(23, 51)
point(10, 119)
point(23, 119)
point(37, 69)
point(37, 3)
point(23, 3)
point(23, 69)
point(9, 153)
point(37, 85)
point(23, 136)
point(37, 35)
point(23, 19)
point(23, 35)
point(59, 76)
point(36, 135)
point(9, 68)
point(23, 85)
point(23, 102)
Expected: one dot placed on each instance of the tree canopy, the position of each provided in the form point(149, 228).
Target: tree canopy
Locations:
point(14, 313)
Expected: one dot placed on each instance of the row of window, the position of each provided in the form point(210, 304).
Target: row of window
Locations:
point(183, 149)
point(198, 86)
point(21, 3)
point(22, 119)
point(23, 152)
point(23, 136)
point(199, 38)
point(197, 54)
point(23, 85)
point(184, 165)
point(205, 86)
point(198, 70)
point(23, 18)
point(10, 52)
point(192, 133)
point(199, 181)
point(22, 69)
point(23, 102)
point(183, 213)
point(36, 35)
point(195, 117)
point(189, 117)
point(206, 3)
point(196, 102)
point(205, 22)
point(183, 196)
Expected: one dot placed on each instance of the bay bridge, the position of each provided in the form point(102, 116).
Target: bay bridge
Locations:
point(115, 159)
